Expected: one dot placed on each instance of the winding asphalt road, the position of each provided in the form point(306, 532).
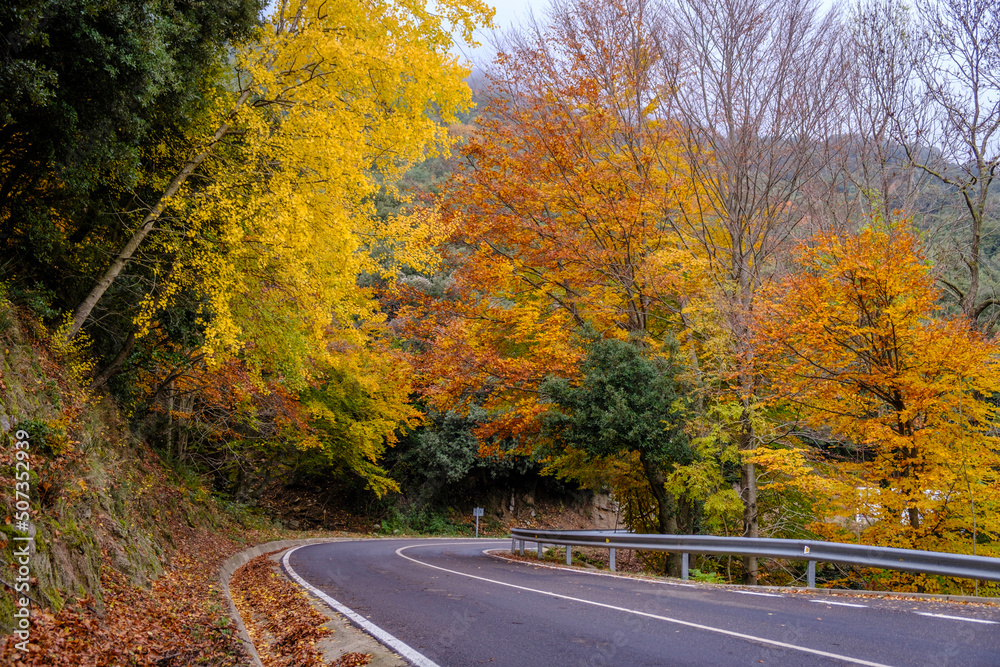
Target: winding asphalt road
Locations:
point(456, 605)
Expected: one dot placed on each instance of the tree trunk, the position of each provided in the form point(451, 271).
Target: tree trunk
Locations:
point(751, 527)
point(186, 405)
point(109, 371)
point(666, 506)
point(748, 494)
point(971, 300)
point(170, 417)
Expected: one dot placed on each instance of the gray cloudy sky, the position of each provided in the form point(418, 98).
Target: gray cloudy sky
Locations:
point(509, 12)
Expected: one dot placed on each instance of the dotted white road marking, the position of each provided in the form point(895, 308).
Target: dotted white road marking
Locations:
point(839, 604)
point(958, 618)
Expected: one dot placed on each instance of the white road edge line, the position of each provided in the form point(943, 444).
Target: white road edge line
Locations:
point(397, 645)
point(699, 626)
point(957, 618)
point(763, 595)
point(839, 604)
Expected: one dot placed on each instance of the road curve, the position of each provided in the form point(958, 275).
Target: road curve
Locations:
point(455, 605)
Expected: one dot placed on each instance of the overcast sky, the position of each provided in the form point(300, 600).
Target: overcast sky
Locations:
point(509, 12)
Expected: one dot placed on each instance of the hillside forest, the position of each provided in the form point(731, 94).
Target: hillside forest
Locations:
point(734, 262)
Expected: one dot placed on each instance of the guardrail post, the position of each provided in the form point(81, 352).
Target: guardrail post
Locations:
point(811, 574)
point(685, 561)
point(569, 555)
point(539, 551)
point(522, 547)
point(513, 548)
point(611, 558)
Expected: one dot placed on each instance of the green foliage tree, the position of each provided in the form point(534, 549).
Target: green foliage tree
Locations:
point(627, 402)
point(87, 90)
point(441, 462)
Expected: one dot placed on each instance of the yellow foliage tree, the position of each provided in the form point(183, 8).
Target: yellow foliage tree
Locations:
point(266, 227)
point(329, 104)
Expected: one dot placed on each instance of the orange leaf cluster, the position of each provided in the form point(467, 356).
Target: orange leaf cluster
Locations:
point(352, 660)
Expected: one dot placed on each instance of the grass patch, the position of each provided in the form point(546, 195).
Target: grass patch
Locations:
point(421, 522)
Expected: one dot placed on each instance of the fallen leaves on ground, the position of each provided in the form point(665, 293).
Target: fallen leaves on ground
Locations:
point(282, 624)
point(352, 660)
point(181, 620)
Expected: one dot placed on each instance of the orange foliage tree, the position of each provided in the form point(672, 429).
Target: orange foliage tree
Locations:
point(856, 338)
point(558, 222)
point(558, 212)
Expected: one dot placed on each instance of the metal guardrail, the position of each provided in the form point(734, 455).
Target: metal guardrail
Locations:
point(909, 560)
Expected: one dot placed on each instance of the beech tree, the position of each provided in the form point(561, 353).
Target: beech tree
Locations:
point(755, 86)
point(557, 221)
point(857, 339)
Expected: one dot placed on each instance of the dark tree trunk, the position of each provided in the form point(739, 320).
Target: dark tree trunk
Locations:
point(666, 509)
